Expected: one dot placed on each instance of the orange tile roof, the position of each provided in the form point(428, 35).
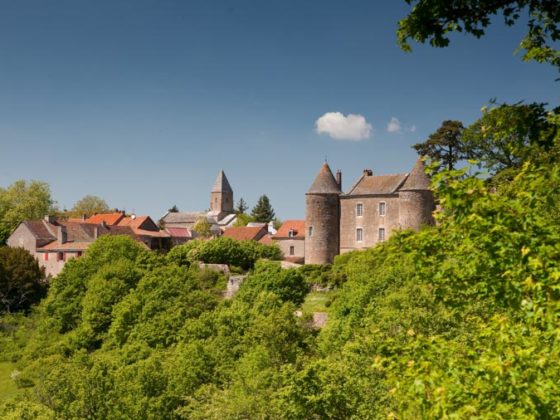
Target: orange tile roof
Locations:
point(67, 246)
point(109, 218)
point(245, 233)
point(266, 239)
point(298, 227)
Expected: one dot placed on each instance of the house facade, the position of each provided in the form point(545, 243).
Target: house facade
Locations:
point(373, 208)
point(290, 238)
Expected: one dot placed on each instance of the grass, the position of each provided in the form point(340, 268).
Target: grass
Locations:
point(317, 302)
point(7, 385)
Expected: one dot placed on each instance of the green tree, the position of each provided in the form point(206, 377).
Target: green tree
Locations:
point(21, 280)
point(433, 20)
point(241, 207)
point(203, 228)
point(243, 219)
point(263, 212)
point(508, 135)
point(173, 209)
point(21, 201)
point(444, 146)
point(88, 206)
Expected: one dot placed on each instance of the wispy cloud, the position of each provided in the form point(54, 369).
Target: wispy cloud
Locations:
point(343, 127)
point(395, 126)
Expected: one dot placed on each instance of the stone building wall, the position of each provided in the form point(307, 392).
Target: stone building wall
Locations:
point(370, 221)
point(22, 238)
point(322, 214)
point(416, 208)
point(298, 244)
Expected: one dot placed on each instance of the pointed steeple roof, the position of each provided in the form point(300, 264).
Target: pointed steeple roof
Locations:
point(222, 184)
point(417, 178)
point(324, 182)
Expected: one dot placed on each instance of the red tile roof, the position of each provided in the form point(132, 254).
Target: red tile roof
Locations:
point(266, 239)
point(143, 225)
point(109, 218)
point(245, 233)
point(179, 232)
point(298, 227)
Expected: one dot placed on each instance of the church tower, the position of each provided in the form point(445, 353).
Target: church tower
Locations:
point(322, 218)
point(221, 197)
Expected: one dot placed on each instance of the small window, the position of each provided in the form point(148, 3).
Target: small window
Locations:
point(381, 236)
point(60, 256)
point(291, 233)
point(359, 209)
point(359, 235)
point(292, 250)
point(310, 231)
point(382, 208)
point(46, 256)
point(79, 254)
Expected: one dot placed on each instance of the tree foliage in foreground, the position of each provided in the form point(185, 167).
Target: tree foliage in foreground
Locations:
point(433, 20)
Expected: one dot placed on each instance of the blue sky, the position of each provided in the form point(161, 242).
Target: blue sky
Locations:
point(143, 102)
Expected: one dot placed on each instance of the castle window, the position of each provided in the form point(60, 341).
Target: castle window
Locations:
point(359, 235)
point(292, 250)
point(382, 208)
point(310, 231)
point(381, 235)
point(359, 209)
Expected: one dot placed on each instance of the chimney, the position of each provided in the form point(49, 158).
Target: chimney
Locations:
point(50, 219)
point(95, 232)
point(61, 234)
point(84, 217)
point(339, 178)
point(368, 172)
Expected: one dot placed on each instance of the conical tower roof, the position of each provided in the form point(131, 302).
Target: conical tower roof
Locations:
point(417, 178)
point(222, 184)
point(324, 182)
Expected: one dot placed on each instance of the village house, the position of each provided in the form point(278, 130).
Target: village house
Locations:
point(291, 240)
point(54, 242)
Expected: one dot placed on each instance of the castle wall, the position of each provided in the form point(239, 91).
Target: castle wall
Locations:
point(370, 221)
point(322, 214)
point(416, 208)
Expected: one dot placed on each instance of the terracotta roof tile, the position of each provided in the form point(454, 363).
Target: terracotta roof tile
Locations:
point(179, 232)
point(266, 239)
point(109, 218)
point(245, 233)
point(296, 226)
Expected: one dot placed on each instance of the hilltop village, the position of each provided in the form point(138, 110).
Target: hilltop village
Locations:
point(335, 221)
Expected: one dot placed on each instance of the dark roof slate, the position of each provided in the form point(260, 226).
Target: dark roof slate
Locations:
point(324, 182)
point(222, 184)
point(378, 184)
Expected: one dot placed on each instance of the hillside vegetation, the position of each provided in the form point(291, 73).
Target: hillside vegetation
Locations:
point(457, 320)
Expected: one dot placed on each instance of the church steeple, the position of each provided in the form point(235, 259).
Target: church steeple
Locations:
point(221, 196)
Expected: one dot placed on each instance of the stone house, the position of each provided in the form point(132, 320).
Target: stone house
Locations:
point(367, 214)
point(291, 240)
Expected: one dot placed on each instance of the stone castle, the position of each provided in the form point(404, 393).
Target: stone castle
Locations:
point(337, 222)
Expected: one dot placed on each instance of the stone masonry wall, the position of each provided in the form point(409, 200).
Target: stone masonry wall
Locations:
point(322, 212)
point(416, 209)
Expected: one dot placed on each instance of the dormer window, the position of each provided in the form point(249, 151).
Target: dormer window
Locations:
point(291, 233)
point(359, 209)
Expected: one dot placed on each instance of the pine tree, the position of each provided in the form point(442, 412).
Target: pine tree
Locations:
point(242, 206)
point(263, 212)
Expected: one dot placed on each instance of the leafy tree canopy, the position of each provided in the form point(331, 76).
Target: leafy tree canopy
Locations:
point(23, 201)
point(88, 206)
point(433, 20)
point(241, 207)
point(444, 146)
point(263, 211)
point(203, 228)
point(21, 281)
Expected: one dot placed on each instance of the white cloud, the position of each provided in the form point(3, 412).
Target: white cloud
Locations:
point(394, 126)
point(341, 127)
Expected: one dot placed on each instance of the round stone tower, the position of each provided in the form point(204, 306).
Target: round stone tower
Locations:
point(322, 218)
point(416, 201)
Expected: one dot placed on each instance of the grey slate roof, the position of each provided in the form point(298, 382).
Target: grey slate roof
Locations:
point(378, 184)
point(417, 179)
point(324, 182)
point(183, 217)
point(222, 184)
